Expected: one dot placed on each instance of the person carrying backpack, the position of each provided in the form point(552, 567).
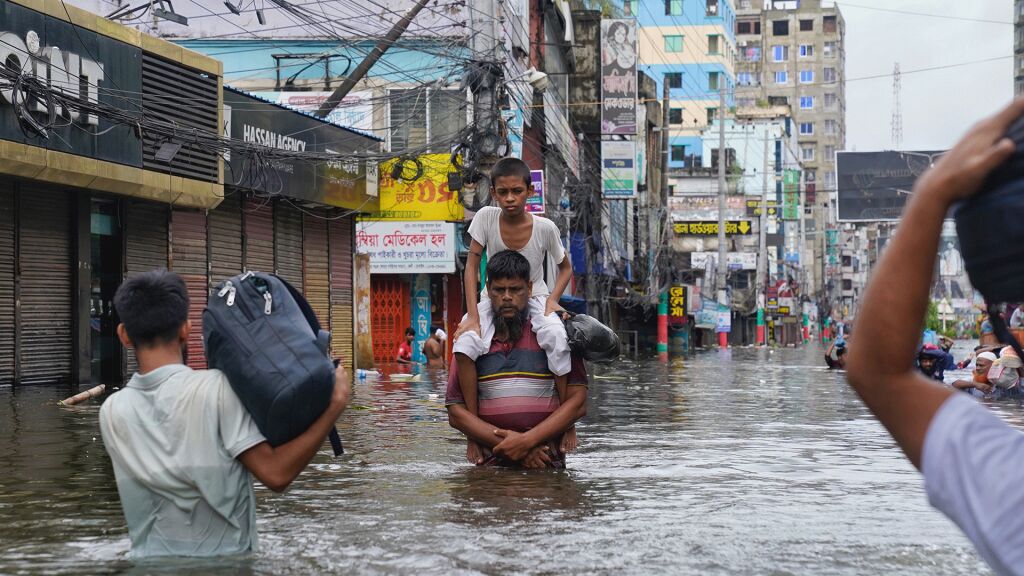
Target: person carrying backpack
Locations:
point(183, 446)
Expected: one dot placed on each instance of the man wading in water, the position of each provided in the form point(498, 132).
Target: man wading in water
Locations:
point(521, 420)
point(973, 462)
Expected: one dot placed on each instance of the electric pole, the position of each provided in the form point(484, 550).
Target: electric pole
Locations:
point(655, 281)
point(722, 265)
point(762, 245)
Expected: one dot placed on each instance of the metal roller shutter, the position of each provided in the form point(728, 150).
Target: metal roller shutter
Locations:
point(225, 222)
point(288, 243)
point(44, 268)
point(258, 218)
point(188, 258)
point(340, 239)
point(7, 252)
point(390, 303)
point(145, 247)
point(316, 267)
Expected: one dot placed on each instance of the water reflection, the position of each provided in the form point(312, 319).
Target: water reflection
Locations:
point(751, 461)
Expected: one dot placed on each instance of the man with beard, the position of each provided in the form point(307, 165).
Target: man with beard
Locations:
point(521, 416)
point(182, 444)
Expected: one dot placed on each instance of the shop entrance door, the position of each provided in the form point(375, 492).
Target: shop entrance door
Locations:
point(107, 258)
point(390, 315)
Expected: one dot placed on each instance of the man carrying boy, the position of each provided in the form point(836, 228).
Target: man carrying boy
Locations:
point(524, 408)
point(508, 226)
point(182, 444)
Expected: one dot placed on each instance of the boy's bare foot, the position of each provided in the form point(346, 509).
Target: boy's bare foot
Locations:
point(569, 441)
point(473, 453)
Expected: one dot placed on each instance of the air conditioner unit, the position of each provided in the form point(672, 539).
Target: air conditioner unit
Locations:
point(713, 10)
point(742, 44)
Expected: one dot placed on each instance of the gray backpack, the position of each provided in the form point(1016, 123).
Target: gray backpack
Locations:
point(264, 336)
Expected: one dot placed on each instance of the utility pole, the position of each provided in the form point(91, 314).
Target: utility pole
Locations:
point(656, 282)
point(723, 265)
point(382, 46)
point(801, 247)
point(762, 245)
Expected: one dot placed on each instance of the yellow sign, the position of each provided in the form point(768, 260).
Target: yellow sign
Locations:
point(677, 301)
point(421, 193)
point(710, 228)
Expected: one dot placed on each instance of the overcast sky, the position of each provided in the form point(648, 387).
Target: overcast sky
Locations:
point(938, 105)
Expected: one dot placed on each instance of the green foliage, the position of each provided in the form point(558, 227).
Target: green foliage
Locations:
point(932, 321)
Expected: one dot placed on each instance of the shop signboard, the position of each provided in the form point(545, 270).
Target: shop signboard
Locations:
point(420, 192)
point(618, 169)
point(724, 321)
point(705, 207)
point(420, 315)
point(706, 228)
point(677, 305)
point(618, 76)
point(354, 111)
point(791, 195)
point(707, 317)
point(535, 202)
point(407, 247)
point(754, 207)
point(734, 260)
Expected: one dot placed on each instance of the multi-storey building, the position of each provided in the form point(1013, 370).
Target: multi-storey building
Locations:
point(690, 44)
point(793, 53)
point(1018, 47)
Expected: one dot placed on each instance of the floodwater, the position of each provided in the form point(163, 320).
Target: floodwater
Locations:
point(738, 462)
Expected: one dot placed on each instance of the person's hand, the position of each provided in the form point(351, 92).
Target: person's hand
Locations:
point(342, 388)
point(537, 458)
point(471, 323)
point(515, 446)
point(551, 306)
point(984, 387)
point(961, 171)
point(473, 453)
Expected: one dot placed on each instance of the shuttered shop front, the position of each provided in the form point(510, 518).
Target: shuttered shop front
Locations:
point(225, 229)
point(145, 245)
point(7, 246)
point(188, 258)
point(45, 297)
point(258, 221)
point(316, 267)
point(288, 243)
point(342, 333)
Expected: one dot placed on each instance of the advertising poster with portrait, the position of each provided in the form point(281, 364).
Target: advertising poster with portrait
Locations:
point(618, 76)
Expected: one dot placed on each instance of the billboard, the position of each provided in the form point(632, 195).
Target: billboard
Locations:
point(618, 76)
point(618, 169)
point(421, 192)
point(407, 247)
point(354, 111)
point(875, 186)
point(535, 203)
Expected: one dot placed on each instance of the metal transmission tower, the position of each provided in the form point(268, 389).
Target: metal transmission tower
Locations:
point(897, 109)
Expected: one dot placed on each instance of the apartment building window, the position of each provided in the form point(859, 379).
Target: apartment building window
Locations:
point(829, 74)
point(780, 27)
point(712, 114)
point(830, 153)
point(806, 76)
point(673, 7)
point(830, 100)
point(711, 8)
point(674, 79)
point(778, 101)
point(631, 7)
point(678, 153)
point(807, 152)
point(807, 50)
point(807, 128)
point(828, 24)
point(745, 4)
point(675, 115)
point(674, 43)
point(748, 78)
point(750, 54)
point(714, 44)
point(807, 102)
point(713, 80)
point(831, 127)
point(780, 53)
point(781, 77)
point(830, 180)
point(746, 102)
point(807, 25)
point(748, 27)
point(831, 49)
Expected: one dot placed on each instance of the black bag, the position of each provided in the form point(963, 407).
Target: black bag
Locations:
point(264, 336)
point(592, 339)
point(992, 239)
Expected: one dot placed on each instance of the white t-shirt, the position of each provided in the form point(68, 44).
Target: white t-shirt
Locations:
point(173, 435)
point(973, 465)
point(544, 240)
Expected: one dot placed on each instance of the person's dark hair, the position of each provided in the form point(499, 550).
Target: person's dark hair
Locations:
point(508, 265)
point(409, 331)
point(614, 29)
point(152, 306)
point(511, 166)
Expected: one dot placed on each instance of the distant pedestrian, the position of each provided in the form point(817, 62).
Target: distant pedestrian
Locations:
point(404, 354)
point(433, 349)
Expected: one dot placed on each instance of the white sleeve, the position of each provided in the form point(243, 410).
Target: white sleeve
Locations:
point(553, 243)
point(973, 465)
point(238, 431)
point(479, 227)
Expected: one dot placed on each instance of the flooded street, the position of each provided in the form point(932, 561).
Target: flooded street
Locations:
point(746, 461)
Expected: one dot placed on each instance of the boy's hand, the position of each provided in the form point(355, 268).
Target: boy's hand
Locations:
point(515, 446)
point(553, 306)
point(469, 324)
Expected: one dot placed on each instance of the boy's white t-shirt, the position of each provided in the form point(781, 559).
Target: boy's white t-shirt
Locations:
point(485, 229)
